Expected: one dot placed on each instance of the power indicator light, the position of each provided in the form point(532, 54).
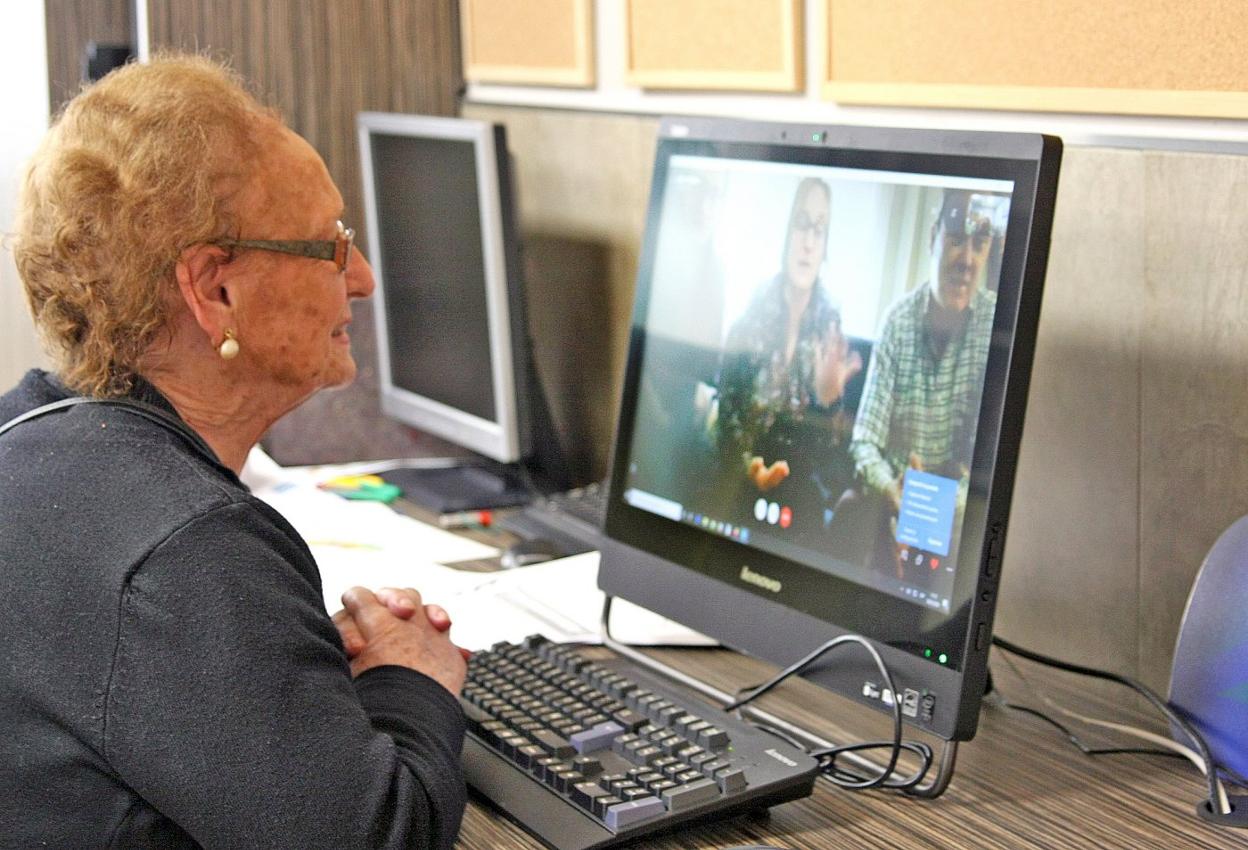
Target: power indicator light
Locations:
point(927, 653)
point(943, 658)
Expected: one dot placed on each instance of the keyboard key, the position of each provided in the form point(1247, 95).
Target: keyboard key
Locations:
point(713, 738)
point(692, 730)
point(526, 755)
point(634, 773)
point(673, 744)
point(682, 722)
point(676, 768)
point(647, 779)
point(700, 759)
point(588, 766)
point(555, 745)
point(708, 768)
point(599, 738)
point(601, 804)
point(538, 767)
point(626, 814)
point(620, 787)
point(475, 715)
point(667, 716)
point(731, 781)
point(653, 709)
point(621, 742)
point(629, 719)
point(657, 788)
point(608, 780)
point(645, 755)
point(584, 794)
point(687, 796)
point(566, 779)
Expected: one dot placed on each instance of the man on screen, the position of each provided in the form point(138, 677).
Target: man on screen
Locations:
point(920, 404)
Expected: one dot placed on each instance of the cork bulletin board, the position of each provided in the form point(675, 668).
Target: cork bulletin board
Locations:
point(747, 45)
point(537, 42)
point(1144, 57)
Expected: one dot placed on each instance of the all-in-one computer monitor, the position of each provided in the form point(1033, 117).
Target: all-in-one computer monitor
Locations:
point(824, 396)
point(449, 306)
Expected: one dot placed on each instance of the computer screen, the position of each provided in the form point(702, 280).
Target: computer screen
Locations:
point(449, 301)
point(824, 395)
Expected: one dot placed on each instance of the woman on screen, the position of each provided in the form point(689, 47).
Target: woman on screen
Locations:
point(780, 428)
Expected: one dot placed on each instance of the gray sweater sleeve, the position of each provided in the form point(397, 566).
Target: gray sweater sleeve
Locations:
point(230, 707)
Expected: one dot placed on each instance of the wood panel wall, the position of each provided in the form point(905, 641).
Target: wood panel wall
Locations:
point(1135, 451)
point(320, 62)
point(71, 24)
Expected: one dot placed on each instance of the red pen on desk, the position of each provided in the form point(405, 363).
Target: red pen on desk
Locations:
point(466, 519)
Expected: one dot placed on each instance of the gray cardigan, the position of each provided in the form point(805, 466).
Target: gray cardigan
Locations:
point(168, 675)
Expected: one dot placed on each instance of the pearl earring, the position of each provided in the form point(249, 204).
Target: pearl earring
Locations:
point(228, 349)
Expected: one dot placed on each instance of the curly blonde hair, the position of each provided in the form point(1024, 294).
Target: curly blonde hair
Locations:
point(136, 168)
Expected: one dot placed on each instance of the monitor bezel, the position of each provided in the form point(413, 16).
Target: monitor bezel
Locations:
point(506, 438)
point(649, 560)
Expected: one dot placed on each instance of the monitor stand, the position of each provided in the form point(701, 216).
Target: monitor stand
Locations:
point(944, 763)
point(469, 487)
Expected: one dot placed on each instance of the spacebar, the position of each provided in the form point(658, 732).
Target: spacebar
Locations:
point(536, 808)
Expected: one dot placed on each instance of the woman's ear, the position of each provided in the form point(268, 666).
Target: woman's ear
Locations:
point(203, 282)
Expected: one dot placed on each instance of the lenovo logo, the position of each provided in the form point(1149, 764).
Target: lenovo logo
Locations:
point(759, 580)
point(781, 758)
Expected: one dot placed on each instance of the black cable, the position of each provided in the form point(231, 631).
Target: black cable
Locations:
point(1080, 745)
point(896, 746)
point(1211, 768)
point(839, 775)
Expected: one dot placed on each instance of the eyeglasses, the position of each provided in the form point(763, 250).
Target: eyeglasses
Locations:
point(337, 249)
point(803, 222)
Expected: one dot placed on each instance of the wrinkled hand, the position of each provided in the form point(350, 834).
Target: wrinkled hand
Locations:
point(767, 477)
point(415, 637)
point(835, 365)
point(400, 604)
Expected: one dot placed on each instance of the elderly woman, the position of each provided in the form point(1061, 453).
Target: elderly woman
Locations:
point(170, 678)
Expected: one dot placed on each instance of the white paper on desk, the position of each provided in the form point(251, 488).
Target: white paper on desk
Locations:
point(561, 600)
point(344, 568)
point(368, 544)
point(324, 519)
point(261, 471)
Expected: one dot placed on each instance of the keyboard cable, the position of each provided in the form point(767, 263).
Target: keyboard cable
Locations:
point(827, 756)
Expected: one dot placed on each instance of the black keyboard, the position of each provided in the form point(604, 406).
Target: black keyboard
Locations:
point(591, 754)
point(573, 519)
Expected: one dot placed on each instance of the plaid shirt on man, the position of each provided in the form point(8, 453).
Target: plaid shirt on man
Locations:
point(913, 403)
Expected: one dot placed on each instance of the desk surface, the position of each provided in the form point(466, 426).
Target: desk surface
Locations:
point(1018, 784)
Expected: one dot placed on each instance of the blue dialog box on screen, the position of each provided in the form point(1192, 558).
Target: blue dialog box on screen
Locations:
point(928, 504)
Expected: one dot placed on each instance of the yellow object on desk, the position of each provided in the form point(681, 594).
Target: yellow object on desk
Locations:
point(370, 488)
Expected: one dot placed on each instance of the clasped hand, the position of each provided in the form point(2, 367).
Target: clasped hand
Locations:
point(393, 626)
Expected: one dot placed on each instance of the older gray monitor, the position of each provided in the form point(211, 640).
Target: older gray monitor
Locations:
point(449, 306)
point(827, 373)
